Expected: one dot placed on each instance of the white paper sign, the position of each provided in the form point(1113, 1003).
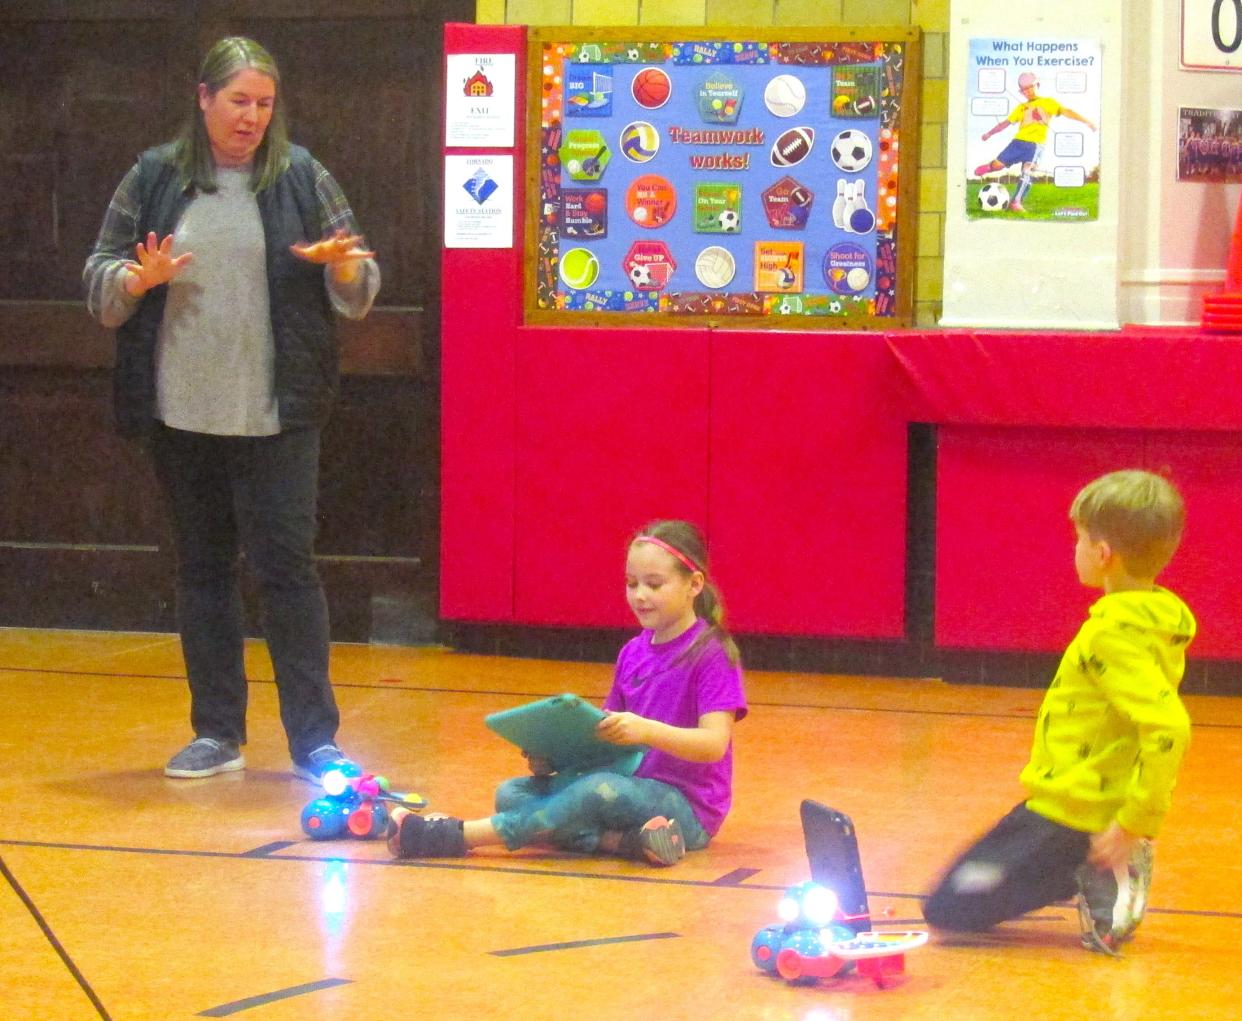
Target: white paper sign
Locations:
point(479, 99)
point(478, 201)
point(1212, 34)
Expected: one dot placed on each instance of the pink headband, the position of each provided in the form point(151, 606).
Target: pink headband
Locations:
point(672, 550)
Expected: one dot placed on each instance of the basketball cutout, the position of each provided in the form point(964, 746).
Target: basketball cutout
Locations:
point(651, 88)
point(785, 95)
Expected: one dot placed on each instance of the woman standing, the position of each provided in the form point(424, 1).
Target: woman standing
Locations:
point(220, 261)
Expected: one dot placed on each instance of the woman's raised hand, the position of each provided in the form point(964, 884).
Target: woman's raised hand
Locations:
point(340, 247)
point(341, 253)
point(155, 265)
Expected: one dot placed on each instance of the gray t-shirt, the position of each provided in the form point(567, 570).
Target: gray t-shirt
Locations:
point(214, 358)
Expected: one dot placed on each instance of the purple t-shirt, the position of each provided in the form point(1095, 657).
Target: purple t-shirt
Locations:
point(671, 684)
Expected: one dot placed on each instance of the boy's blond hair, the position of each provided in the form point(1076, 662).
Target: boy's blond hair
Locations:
point(1139, 514)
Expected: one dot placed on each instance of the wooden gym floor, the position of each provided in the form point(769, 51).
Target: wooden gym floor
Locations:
point(129, 896)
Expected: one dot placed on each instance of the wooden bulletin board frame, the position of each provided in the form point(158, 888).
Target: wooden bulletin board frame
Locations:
point(643, 172)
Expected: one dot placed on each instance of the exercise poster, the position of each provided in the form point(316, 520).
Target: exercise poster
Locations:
point(734, 179)
point(1032, 129)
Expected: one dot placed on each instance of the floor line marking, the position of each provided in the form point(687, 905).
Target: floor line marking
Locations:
point(662, 879)
point(735, 878)
point(56, 944)
point(579, 943)
point(267, 850)
point(237, 1006)
point(388, 685)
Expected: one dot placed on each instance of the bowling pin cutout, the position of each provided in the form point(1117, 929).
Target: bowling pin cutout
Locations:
point(847, 213)
point(838, 206)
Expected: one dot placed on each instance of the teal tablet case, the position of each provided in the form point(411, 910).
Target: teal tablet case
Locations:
point(561, 729)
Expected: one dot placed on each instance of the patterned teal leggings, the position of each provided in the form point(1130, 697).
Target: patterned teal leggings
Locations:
point(572, 811)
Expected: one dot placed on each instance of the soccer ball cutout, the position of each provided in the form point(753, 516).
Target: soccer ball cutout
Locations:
point(633, 56)
point(851, 150)
point(730, 221)
point(993, 197)
point(641, 278)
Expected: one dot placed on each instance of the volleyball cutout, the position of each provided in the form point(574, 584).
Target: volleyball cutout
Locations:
point(857, 278)
point(640, 141)
point(579, 268)
point(651, 88)
point(715, 266)
point(785, 95)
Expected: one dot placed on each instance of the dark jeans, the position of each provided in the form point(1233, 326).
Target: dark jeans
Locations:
point(258, 494)
point(1023, 863)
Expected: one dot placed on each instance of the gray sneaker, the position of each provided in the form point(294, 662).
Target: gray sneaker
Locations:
point(205, 756)
point(318, 762)
point(1111, 904)
point(1136, 887)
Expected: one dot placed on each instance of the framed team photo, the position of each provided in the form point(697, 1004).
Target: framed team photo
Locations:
point(1209, 145)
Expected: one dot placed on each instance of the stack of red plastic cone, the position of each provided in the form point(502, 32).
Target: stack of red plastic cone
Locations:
point(1222, 311)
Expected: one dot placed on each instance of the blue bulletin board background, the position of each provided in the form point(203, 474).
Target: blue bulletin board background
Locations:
point(716, 131)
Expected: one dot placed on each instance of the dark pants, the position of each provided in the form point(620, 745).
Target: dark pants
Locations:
point(1024, 863)
point(257, 494)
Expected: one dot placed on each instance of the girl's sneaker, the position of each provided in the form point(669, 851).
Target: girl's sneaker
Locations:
point(413, 836)
point(660, 841)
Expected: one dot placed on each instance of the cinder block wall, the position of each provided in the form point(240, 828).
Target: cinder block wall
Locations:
point(932, 16)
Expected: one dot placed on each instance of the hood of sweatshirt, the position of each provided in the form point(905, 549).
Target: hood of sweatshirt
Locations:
point(1158, 614)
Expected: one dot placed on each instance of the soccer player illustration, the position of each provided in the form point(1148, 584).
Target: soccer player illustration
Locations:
point(1032, 117)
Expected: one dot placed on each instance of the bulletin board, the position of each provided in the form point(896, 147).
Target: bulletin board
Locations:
point(735, 180)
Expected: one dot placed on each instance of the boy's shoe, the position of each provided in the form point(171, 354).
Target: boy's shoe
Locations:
point(318, 762)
point(1111, 904)
point(205, 756)
point(983, 169)
point(1137, 884)
point(660, 842)
point(412, 836)
point(1017, 207)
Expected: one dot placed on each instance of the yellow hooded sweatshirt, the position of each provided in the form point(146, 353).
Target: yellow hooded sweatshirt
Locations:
point(1112, 730)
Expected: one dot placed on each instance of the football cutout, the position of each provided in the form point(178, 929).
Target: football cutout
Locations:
point(851, 150)
point(792, 146)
